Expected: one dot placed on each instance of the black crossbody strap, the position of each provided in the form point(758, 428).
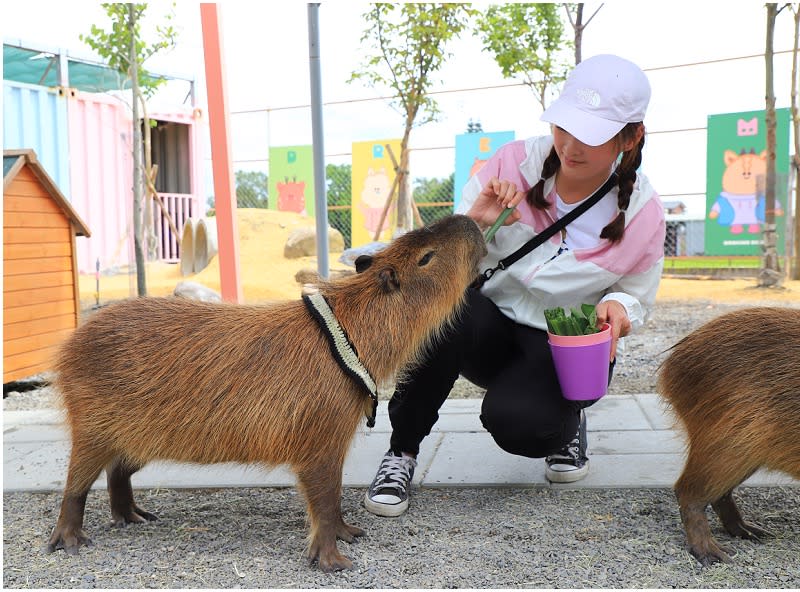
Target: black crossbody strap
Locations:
point(545, 234)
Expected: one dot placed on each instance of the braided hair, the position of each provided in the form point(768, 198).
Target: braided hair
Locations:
point(626, 172)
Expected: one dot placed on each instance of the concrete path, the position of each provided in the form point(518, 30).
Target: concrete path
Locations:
point(631, 444)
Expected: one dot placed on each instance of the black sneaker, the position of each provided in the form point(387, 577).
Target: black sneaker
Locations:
point(570, 463)
point(388, 494)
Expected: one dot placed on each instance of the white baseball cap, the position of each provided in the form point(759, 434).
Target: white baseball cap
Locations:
point(599, 97)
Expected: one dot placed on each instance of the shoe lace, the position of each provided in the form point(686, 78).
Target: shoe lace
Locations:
point(395, 472)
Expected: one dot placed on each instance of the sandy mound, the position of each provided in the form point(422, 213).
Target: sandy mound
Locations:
point(264, 272)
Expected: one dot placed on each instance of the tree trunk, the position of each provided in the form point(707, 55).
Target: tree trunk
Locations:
point(578, 32)
point(795, 266)
point(138, 247)
point(404, 215)
point(770, 274)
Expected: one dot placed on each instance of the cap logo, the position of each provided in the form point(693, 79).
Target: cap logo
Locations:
point(589, 96)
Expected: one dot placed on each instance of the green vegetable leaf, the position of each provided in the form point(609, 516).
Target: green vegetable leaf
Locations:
point(574, 321)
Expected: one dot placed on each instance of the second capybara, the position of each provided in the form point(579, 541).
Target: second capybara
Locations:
point(203, 382)
point(734, 383)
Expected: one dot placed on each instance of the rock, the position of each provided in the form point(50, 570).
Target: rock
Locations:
point(302, 242)
point(196, 291)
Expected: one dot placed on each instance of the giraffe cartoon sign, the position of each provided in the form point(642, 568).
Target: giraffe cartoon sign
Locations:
point(735, 182)
point(372, 183)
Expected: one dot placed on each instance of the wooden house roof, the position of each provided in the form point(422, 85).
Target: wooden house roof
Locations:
point(15, 160)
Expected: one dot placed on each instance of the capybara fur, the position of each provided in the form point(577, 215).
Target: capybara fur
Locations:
point(203, 382)
point(734, 383)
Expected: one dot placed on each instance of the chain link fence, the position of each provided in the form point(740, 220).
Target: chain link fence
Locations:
point(433, 197)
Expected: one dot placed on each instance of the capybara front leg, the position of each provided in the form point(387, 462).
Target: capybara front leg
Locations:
point(322, 486)
point(123, 507)
point(732, 520)
point(85, 465)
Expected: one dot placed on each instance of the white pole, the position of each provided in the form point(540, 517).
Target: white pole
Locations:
point(320, 190)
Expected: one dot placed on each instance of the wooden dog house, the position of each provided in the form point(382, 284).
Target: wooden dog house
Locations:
point(41, 300)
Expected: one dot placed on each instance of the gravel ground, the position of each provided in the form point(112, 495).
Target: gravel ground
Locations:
point(450, 538)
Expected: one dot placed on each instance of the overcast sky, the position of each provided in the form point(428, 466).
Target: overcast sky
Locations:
point(266, 53)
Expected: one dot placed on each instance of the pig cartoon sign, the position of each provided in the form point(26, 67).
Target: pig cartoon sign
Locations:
point(291, 179)
point(736, 180)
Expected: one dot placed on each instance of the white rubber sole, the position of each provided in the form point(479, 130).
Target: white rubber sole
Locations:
point(387, 510)
point(566, 476)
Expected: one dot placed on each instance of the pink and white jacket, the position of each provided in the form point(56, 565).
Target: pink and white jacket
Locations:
point(628, 271)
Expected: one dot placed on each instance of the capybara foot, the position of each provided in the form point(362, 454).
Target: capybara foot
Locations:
point(709, 552)
point(328, 558)
point(349, 533)
point(748, 530)
point(132, 515)
point(63, 538)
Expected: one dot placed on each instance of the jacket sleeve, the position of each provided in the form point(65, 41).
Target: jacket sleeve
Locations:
point(636, 288)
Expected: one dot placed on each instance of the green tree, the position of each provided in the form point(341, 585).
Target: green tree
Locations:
point(529, 41)
point(125, 51)
point(406, 47)
point(433, 190)
point(428, 193)
point(339, 178)
point(252, 189)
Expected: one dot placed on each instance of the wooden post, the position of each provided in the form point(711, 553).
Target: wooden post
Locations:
point(224, 192)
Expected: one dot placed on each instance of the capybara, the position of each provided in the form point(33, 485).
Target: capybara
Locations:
point(203, 382)
point(735, 385)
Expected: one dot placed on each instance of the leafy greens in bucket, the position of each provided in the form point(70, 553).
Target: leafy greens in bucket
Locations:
point(581, 321)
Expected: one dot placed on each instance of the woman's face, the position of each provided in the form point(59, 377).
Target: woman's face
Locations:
point(579, 160)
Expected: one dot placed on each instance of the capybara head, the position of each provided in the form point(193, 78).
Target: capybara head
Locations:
point(408, 290)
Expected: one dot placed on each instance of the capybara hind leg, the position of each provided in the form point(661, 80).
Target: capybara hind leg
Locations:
point(84, 467)
point(322, 486)
point(692, 491)
point(123, 507)
point(698, 534)
point(732, 520)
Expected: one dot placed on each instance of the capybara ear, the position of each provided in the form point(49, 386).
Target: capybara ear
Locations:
point(389, 280)
point(363, 262)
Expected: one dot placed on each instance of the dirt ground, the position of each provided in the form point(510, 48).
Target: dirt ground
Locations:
point(267, 275)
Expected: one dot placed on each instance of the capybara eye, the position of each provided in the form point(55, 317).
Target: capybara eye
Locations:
point(426, 258)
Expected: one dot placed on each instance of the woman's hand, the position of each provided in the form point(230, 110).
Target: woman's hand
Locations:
point(495, 196)
point(615, 314)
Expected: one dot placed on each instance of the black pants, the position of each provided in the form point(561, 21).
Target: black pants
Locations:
point(523, 408)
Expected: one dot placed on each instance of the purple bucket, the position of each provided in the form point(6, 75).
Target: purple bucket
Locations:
point(583, 369)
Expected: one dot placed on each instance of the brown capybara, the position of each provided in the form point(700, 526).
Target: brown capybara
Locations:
point(735, 385)
point(203, 382)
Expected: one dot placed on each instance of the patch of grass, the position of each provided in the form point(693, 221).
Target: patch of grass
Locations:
point(712, 262)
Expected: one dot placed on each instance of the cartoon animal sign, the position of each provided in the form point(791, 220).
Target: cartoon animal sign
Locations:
point(373, 199)
point(291, 196)
point(736, 182)
point(739, 205)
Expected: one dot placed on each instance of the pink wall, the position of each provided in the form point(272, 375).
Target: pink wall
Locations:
point(101, 177)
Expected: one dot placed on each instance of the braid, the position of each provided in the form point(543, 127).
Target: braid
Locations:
point(536, 197)
point(626, 171)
